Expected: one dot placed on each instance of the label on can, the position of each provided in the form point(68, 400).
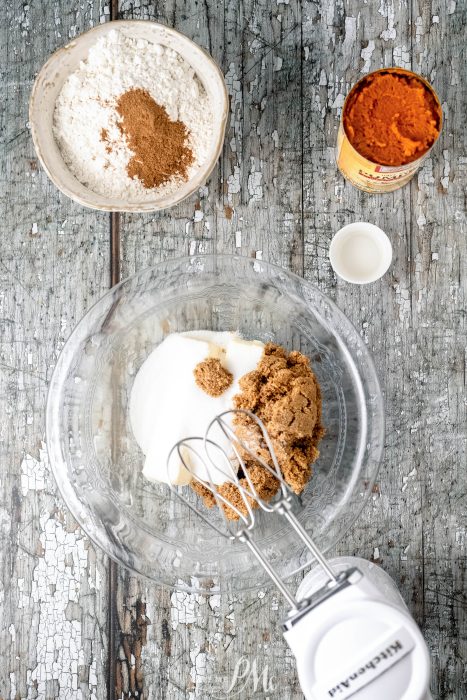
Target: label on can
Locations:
point(370, 176)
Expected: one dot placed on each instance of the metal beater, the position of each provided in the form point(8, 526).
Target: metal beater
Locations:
point(344, 622)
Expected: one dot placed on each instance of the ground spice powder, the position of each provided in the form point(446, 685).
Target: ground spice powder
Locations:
point(212, 377)
point(392, 118)
point(284, 393)
point(159, 144)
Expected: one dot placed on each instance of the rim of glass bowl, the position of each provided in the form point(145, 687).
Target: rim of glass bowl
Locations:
point(60, 373)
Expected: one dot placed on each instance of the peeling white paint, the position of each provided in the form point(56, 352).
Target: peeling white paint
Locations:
point(255, 46)
point(402, 298)
point(13, 695)
point(183, 608)
point(419, 31)
point(61, 567)
point(446, 171)
point(402, 56)
point(366, 54)
point(214, 602)
point(338, 102)
point(277, 63)
point(350, 37)
point(23, 598)
point(234, 89)
point(255, 188)
point(33, 472)
point(421, 219)
point(387, 10)
point(233, 182)
point(198, 670)
point(454, 77)
point(23, 20)
point(410, 475)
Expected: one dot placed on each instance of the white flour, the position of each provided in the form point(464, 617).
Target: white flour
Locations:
point(86, 106)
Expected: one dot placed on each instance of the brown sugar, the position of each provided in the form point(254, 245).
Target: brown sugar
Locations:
point(392, 117)
point(212, 377)
point(159, 144)
point(284, 393)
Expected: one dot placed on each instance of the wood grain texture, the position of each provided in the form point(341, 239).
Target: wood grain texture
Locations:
point(275, 194)
point(414, 319)
point(252, 205)
point(54, 260)
point(278, 194)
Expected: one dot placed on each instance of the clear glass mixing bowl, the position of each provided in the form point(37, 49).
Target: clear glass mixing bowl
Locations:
point(98, 464)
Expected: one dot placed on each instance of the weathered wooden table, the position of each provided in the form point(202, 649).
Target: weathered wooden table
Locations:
point(73, 625)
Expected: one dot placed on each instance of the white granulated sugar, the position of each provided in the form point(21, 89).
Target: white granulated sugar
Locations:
point(86, 106)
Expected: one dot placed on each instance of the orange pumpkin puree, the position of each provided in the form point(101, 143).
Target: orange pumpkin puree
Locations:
point(392, 118)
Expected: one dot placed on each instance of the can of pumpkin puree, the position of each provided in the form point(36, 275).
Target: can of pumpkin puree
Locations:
point(390, 121)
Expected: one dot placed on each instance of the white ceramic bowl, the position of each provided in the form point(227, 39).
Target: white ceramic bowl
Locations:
point(360, 253)
point(66, 60)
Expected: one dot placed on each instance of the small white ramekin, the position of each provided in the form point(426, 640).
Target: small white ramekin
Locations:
point(66, 60)
point(360, 253)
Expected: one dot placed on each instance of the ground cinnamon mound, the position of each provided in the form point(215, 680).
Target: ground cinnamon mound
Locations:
point(212, 377)
point(159, 144)
point(284, 393)
point(392, 118)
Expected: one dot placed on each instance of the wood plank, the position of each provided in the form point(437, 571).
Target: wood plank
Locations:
point(53, 265)
point(396, 321)
point(251, 206)
point(343, 43)
point(439, 342)
point(55, 260)
point(412, 320)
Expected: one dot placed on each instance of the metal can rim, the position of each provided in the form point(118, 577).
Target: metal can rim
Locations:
point(393, 69)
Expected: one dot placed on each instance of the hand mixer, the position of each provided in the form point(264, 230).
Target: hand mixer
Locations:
point(349, 629)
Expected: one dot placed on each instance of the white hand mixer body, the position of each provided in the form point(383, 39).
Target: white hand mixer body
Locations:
point(348, 627)
point(357, 639)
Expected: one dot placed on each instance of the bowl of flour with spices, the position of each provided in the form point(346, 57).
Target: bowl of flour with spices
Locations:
point(130, 116)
